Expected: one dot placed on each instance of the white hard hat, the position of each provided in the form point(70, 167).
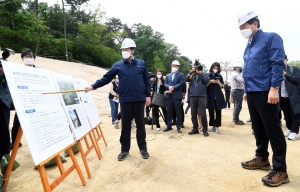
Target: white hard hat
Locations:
point(245, 16)
point(236, 65)
point(127, 43)
point(175, 62)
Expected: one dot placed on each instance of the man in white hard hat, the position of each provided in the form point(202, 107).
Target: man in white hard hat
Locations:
point(263, 68)
point(237, 92)
point(134, 91)
point(174, 83)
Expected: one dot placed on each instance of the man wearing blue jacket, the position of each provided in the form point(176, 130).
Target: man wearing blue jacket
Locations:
point(134, 90)
point(173, 83)
point(198, 98)
point(263, 69)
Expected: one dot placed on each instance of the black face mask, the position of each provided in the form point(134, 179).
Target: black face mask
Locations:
point(240, 70)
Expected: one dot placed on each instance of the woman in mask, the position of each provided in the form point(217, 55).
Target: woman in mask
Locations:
point(113, 98)
point(215, 97)
point(158, 87)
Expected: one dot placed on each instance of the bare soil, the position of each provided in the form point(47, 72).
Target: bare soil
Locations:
point(178, 162)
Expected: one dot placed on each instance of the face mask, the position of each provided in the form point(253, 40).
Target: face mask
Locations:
point(174, 69)
point(29, 61)
point(240, 70)
point(246, 33)
point(215, 70)
point(158, 76)
point(126, 54)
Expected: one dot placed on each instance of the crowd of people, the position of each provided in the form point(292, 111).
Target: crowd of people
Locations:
point(266, 82)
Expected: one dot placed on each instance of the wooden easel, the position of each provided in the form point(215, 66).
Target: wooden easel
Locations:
point(41, 167)
point(98, 134)
point(84, 154)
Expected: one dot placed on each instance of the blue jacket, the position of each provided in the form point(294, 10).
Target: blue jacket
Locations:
point(263, 62)
point(198, 86)
point(134, 81)
point(178, 82)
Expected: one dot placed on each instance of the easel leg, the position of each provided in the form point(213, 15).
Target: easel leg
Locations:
point(102, 135)
point(95, 146)
point(77, 166)
point(12, 157)
point(84, 159)
point(96, 142)
point(44, 178)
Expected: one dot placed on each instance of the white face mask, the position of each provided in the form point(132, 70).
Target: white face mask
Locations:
point(246, 33)
point(174, 69)
point(215, 70)
point(126, 54)
point(158, 76)
point(29, 61)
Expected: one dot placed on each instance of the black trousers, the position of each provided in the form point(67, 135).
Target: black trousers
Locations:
point(214, 117)
point(15, 128)
point(198, 103)
point(134, 110)
point(182, 114)
point(227, 96)
point(171, 105)
point(292, 120)
point(156, 114)
point(266, 127)
point(4, 129)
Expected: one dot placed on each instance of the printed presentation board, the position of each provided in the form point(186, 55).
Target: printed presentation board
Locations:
point(72, 105)
point(42, 117)
point(88, 102)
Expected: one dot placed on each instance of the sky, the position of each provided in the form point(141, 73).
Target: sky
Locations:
point(207, 29)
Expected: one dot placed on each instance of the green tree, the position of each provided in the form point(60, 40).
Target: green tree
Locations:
point(295, 63)
point(149, 43)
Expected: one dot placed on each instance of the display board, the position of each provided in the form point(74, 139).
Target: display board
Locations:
point(88, 103)
point(72, 105)
point(42, 117)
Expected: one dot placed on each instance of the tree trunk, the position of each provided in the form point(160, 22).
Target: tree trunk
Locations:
point(37, 30)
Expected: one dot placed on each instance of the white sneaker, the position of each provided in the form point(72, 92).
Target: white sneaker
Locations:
point(116, 125)
point(213, 129)
point(157, 129)
point(293, 136)
point(287, 133)
point(218, 131)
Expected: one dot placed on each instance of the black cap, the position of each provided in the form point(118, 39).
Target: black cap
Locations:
point(199, 68)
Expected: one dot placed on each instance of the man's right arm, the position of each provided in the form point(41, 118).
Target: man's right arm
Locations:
point(107, 78)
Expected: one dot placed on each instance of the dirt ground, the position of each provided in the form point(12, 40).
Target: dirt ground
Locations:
point(178, 162)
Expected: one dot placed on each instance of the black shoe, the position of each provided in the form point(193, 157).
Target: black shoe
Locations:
point(193, 131)
point(144, 153)
point(12, 145)
point(239, 123)
point(182, 126)
point(122, 156)
point(205, 133)
point(167, 129)
point(179, 131)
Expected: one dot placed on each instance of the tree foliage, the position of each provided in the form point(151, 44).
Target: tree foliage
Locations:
point(91, 38)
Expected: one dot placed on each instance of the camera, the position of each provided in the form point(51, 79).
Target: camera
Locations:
point(197, 62)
